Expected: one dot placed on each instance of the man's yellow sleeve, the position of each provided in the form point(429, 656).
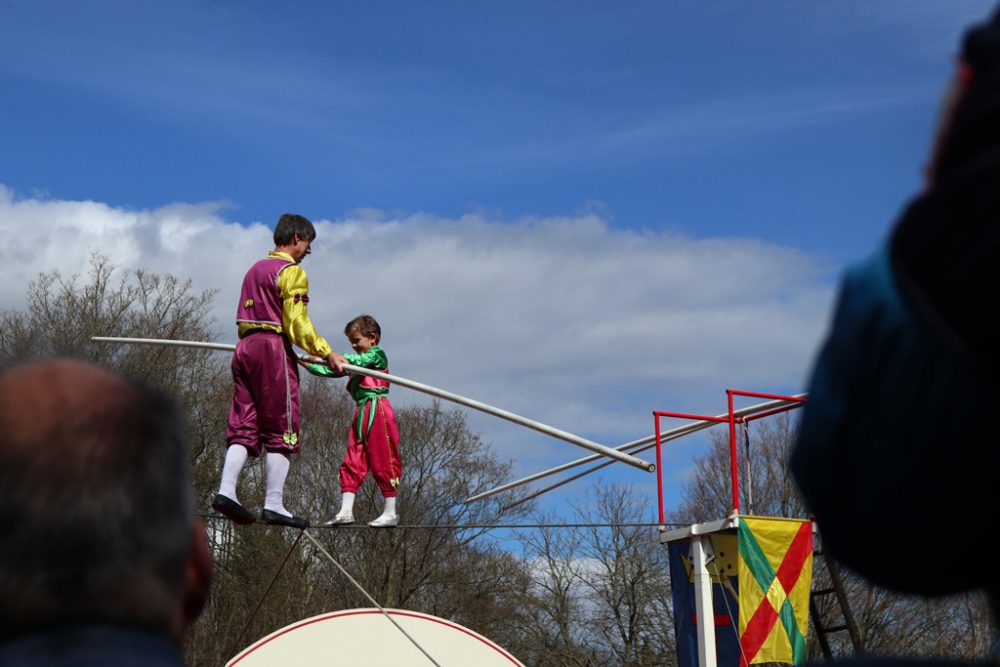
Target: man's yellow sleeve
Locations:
point(293, 284)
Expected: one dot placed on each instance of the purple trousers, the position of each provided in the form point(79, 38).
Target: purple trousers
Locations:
point(264, 413)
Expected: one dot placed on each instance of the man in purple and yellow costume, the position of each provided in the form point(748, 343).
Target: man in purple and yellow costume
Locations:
point(264, 415)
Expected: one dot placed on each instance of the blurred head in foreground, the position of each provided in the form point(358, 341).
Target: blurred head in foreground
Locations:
point(99, 522)
point(897, 453)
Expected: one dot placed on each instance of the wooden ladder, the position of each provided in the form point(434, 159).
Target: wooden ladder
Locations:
point(836, 589)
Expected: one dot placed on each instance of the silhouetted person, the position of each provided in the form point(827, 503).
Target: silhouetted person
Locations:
point(898, 440)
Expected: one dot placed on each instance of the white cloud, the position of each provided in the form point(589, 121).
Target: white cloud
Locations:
point(566, 320)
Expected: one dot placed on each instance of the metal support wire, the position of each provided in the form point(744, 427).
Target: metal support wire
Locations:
point(552, 487)
point(370, 598)
point(635, 447)
point(746, 439)
point(771, 407)
point(253, 614)
point(734, 622)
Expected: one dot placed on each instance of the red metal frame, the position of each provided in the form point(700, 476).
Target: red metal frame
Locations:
point(732, 420)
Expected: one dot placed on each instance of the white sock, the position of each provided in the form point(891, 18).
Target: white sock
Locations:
point(276, 470)
point(390, 507)
point(236, 457)
point(346, 503)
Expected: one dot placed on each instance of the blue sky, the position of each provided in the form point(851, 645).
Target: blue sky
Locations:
point(578, 211)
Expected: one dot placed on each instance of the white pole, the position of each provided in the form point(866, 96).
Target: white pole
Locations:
point(602, 450)
point(225, 347)
point(598, 448)
point(701, 553)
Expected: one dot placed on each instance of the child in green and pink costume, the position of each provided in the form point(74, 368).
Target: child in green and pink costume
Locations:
point(373, 440)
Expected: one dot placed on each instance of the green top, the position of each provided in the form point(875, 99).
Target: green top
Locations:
point(374, 359)
point(361, 387)
point(323, 370)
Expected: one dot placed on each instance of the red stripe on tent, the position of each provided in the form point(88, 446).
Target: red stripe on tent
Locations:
point(720, 619)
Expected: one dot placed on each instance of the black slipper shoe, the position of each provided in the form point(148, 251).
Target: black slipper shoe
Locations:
point(275, 519)
point(232, 509)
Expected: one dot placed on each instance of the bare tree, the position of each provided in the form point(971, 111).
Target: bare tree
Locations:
point(627, 582)
point(63, 313)
point(556, 612)
point(601, 589)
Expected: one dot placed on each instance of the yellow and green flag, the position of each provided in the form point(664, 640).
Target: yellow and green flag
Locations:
point(775, 575)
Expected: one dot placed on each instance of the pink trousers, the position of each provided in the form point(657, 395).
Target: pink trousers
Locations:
point(377, 450)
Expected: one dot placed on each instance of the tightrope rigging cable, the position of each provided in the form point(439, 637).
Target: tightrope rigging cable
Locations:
point(479, 526)
point(370, 598)
point(734, 622)
point(253, 614)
